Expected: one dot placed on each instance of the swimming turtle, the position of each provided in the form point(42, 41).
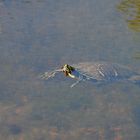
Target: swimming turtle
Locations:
point(97, 72)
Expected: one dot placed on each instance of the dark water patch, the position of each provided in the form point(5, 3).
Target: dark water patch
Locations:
point(136, 114)
point(81, 103)
point(14, 129)
point(27, 1)
point(7, 3)
point(37, 117)
point(60, 121)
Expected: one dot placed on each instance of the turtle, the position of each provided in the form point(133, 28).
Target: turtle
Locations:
point(96, 72)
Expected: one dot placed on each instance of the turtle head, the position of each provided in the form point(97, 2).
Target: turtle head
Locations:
point(67, 70)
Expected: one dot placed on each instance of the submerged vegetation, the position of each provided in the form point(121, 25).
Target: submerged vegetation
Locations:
point(137, 55)
point(131, 10)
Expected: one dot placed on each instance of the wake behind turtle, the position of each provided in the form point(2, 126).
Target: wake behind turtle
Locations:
point(96, 72)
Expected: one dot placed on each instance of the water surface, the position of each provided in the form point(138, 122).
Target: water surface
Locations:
point(40, 35)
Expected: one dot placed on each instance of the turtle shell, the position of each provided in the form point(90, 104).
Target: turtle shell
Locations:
point(103, 71)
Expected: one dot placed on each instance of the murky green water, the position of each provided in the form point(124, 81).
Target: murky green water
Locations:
point(40, 35)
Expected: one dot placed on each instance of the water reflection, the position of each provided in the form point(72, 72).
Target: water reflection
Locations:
point(131, 10)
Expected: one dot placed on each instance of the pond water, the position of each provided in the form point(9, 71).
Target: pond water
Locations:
point(40, 35)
